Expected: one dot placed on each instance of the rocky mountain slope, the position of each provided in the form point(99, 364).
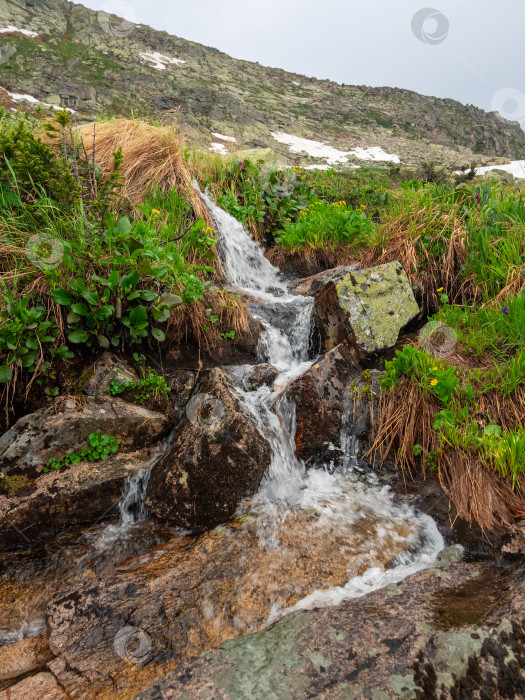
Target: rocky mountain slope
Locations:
point(59, 52)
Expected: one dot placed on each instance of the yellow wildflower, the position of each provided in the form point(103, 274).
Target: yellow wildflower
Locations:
point(434, 369)
point(440, 289)
point(155, 211)
point(434, 382)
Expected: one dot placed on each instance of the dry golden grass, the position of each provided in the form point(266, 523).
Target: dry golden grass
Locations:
point(477, 494)
point(401, 240)
point(187, 323)
point(153, 157)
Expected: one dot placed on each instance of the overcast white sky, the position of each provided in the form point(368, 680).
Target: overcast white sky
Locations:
point(472, 50)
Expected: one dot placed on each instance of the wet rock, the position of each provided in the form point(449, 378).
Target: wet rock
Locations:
point(323, 395)
point(388, 644)
point(196, 592)
point(105, 370)
point(81, 494)
point(218, 458)
point(43, 686)
point(64, 427)
point(261, 374)
point(23, 656)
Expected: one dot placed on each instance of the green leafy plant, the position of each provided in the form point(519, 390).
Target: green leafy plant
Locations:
point(99, 446)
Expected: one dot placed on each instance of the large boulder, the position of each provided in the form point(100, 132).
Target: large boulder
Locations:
point(218, 458)
point(79, 495)
point(27, 447)
point(457, 632)
point(366, 308)
point(328, 398)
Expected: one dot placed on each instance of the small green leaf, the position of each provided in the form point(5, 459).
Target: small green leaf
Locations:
point(80, 309)
point(61, 296)
point(138, 314)
point(78, 336)
point(158, 334)
point(73, 317)
point(103, 341)
point(170, 301)
point(5, 374)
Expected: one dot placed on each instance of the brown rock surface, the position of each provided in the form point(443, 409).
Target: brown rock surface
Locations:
point(80, 494)
point(322, 395)
point(451, 633)
point(64, 427)
point(43, 686)
point(23, 656)
point(217, 459)
point(195, 593)
point(261, 374)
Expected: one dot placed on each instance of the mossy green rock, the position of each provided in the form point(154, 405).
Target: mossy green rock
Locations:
point(379, 302)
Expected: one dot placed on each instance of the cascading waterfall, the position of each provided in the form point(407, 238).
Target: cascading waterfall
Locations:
point(339, 498)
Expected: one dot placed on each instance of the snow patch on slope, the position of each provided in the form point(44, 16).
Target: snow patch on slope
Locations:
point(218, 148)
point(515, 167)
point(19, 97)
point(159, 60)
point(223, 137)
point(11, 30)
point(332, 156)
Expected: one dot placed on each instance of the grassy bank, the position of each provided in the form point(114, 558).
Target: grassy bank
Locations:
point(454, 401)
point(105, 244)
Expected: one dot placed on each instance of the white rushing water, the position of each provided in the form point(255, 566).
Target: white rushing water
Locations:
point(339, 497)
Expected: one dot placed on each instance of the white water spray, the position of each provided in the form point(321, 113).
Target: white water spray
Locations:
point(340, 499)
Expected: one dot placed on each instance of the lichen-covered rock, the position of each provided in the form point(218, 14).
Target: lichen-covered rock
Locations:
point(64, 427)
point(217, 459)
point(379, 302)
point(457, 632)
point(81, 494)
